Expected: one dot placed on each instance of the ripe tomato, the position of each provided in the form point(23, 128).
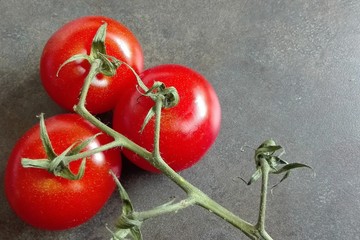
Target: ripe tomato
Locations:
point(76, 37)
point(187, 130)
point(49, 202)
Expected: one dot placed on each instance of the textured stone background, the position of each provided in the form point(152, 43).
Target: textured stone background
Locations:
point(282, 69)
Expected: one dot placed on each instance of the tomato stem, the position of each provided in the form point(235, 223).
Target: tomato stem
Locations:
point(164, 97)
point(201, 198)
point(164, 209)
point(154, 157)
point(195, 196)
point(265, 168)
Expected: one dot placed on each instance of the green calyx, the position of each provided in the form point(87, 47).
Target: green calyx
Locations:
point(267, 151)
point(57, 164)
point(108, 65)
point(168, 96)
point(125, 226)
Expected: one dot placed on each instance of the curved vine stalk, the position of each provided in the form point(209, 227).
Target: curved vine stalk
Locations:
point(129, 222)
point(200, 198)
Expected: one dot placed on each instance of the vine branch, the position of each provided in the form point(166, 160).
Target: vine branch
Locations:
point(164, 97)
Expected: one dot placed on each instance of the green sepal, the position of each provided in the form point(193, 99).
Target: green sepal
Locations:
point(108, 67)
point(35, 163)
point(72, 59)
point(127, 204)
point(159, 87)
point(98, 43)
point(286, 169)
point(82, 145)
point(98, 51)
point(141, 84)
point(45, 139)
point(59, 168)
point(120, 234)
point(267, 149)
point(290, 166)
point(68, 174)
point(286, 175)
point(266, 143)
point(169, 96)
point(275, 161)
point(136, 233)
point(266, 152)
point(58, 164)
point(255, 176)
point(280, 161)
point(149, 115)
point(125, 226)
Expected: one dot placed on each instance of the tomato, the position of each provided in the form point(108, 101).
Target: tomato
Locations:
point(187, 130)
point(76, 37)
point(49, 202)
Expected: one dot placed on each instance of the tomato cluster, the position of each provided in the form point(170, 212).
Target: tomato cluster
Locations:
point(187, 130)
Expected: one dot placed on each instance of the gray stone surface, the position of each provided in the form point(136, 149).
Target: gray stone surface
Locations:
point(288, 70)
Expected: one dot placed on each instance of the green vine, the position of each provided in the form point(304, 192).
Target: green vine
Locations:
point(130, 221)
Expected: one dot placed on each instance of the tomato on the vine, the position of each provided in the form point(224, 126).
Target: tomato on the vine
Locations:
point(75, 38)
point(187, 130)
point(52, 202)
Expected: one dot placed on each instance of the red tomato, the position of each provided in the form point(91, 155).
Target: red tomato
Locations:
point(54, 203)
point(187, 130)
point(76, 37)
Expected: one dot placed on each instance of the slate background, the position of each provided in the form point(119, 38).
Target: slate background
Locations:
point(288, 70)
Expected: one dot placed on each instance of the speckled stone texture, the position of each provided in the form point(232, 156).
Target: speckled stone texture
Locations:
point(287, 70)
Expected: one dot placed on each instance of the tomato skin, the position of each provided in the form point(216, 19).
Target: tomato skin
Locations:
point(55, 203)
point(76, 37)
point(187, 130)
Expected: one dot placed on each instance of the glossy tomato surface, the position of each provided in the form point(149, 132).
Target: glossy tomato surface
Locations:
point(76, 37)
point(49, 202)
point(187, 130)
